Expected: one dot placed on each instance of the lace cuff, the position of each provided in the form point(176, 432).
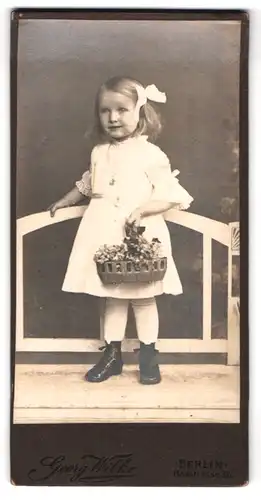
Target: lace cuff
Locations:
point(84, 185)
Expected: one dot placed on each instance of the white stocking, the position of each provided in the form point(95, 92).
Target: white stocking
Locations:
point(147, 319)
point(115, 319)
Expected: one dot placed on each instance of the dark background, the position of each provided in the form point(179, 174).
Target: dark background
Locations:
point(61, 64)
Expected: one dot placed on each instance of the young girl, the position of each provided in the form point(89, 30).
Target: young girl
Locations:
point(129, 180)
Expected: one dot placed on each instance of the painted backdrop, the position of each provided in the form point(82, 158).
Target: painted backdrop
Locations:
point(61, 64)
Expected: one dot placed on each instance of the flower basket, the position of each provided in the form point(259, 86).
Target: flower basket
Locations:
point(124, 271)
point(135, 260)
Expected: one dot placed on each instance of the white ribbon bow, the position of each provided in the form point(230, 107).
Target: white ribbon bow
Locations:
point(150, 92)
point(154, 94)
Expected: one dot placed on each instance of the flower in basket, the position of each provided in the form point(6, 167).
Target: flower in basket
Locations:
point(110, 253)
point(135, 259)
point(135, 248)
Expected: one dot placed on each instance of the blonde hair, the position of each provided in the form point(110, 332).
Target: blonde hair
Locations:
point(149, 119)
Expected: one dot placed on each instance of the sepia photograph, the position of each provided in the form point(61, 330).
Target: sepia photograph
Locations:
point(127, 221)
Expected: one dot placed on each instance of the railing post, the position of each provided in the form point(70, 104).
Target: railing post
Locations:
point(233, 310)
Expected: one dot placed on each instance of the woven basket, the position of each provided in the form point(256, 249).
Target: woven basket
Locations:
point(121, 271)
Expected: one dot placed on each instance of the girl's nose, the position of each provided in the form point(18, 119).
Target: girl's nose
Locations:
point(113, 116)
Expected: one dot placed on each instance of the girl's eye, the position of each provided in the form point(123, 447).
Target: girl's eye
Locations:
point(104, 110)
point(122, 110)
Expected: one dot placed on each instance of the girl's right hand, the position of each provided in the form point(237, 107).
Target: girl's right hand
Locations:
point(55, 206)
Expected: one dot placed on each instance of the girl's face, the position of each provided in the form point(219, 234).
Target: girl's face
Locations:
point(118, 114)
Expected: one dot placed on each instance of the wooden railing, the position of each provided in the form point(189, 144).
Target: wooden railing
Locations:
point(210, 229)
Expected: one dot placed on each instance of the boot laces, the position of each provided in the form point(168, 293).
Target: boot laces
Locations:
point(107, 347)
point(103, 347)
point(107, 355)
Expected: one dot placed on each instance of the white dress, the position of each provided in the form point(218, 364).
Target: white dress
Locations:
point(122, 177)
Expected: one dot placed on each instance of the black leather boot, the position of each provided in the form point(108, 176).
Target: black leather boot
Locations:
point(110, 363)
point(149, 368)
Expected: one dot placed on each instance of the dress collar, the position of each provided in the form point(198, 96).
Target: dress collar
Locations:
point(128, 140)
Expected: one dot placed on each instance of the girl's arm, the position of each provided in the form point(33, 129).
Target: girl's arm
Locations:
point(153, 207)
point(74, 196)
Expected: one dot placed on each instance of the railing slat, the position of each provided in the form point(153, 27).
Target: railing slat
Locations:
point(59, 344)
point(214, 229)
point(207, 286)
point(102, 315)
point(37, 221)
point(19, 292)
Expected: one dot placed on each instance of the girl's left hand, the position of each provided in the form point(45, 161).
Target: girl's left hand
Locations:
point(135, 216)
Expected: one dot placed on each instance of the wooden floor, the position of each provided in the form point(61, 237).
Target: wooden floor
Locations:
point(187, 393)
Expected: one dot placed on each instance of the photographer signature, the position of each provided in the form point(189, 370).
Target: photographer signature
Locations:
point(90, 468)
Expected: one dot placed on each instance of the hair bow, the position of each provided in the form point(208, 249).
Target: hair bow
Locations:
point(154, 94)
point(150, 92)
